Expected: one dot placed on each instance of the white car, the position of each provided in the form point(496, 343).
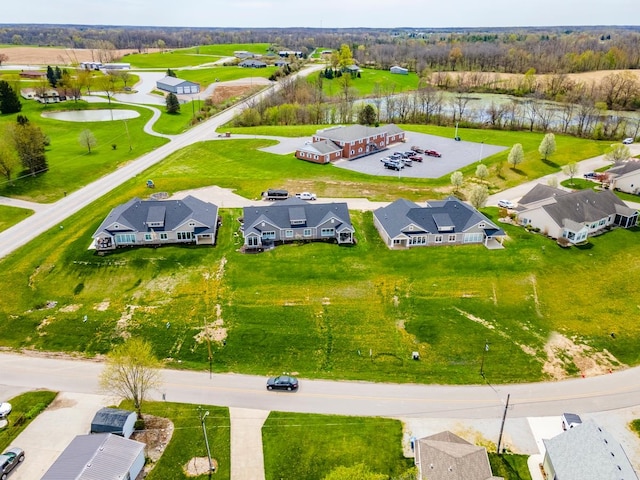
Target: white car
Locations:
point(627, 141)
point(5, 409)
point(306, 196)
point(506, 204)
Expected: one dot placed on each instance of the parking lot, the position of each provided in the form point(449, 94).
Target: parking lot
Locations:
point(455, 155)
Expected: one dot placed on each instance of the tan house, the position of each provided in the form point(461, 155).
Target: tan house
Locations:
point(573, 215)
point(349, 142)
point(446, 456)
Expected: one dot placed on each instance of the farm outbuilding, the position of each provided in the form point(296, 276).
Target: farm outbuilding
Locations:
point(399, 70)
point(177, 85)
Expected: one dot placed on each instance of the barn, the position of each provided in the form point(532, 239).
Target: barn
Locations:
point(177, 86)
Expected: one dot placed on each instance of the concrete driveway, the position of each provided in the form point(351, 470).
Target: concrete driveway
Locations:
point(70, 414)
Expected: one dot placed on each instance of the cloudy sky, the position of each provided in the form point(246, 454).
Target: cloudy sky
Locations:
point(324, 13)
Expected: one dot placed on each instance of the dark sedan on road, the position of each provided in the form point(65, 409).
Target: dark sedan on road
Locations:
point(283, 382)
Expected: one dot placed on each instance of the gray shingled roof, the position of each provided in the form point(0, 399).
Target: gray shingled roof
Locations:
point(541, 192)
point(396, 217)
point(110, 420)
point(355, 132)
point(100, 456)
point(281, 213)
point(136, 213)
point(624, 168)
point(588, 452)
point(445, 456)
point(322, 147)
point(585, 206)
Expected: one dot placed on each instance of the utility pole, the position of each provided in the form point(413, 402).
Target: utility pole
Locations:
point(204, 432)
point(484, 351)
point(504, 417)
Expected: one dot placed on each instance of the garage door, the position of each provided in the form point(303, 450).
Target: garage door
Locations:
point(180, 90)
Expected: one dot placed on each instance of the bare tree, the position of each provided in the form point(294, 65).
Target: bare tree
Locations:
point(571, 169)
point(3, 58)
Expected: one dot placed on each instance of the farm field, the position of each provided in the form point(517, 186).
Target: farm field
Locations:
point(337, 312)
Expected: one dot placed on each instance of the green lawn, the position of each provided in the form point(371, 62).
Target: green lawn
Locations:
point(227, 49)
point(369, 78)
point(510, 467)
point(314, 445)
point(26, 407)
point(168, 59)
point(9, 216)
point(330, 305)
point(207, 76)
point(70, 165)
point(187, 441)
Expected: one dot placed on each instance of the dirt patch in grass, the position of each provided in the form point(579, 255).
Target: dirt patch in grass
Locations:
point(563, 355)
point(224, 92)
point(156, 435)
point(70, 308)
point(55, 56)
point(198, 466)
point(102, 306)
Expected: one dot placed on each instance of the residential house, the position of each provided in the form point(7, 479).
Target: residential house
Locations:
point(158, 222)
point(177, 85)
point(114, 420)
point(104, 456)
point(244, 54)
point(290, 53)
point(281, 63)
point(354, 141)
point(42, 95)
point(405, 224)
point(625, 177)
point(586, 452)
point(573, 215)
point(117, 66)
point(250, 63)
point(33, 74)
point(446, 456)
point(296, 220)
point(399, 70)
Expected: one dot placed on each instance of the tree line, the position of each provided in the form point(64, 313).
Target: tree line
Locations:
point(517, 50)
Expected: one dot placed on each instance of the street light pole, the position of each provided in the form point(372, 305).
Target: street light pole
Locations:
point(206, 440)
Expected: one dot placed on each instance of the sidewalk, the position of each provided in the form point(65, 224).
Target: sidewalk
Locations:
point(247, 458)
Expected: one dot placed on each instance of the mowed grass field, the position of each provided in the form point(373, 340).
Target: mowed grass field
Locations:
point(9, 216)
point(70, 164)
point(371, 79)
point(193, 56)
point(321, 310)
point(207, 76)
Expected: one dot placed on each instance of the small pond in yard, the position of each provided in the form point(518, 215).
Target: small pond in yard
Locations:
point(92, 115)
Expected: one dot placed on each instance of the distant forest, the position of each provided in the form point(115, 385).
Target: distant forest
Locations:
point(508, 50)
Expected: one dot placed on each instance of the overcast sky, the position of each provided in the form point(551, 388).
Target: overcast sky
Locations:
point(323, 13)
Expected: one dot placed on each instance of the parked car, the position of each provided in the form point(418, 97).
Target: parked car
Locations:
point(394, 165)
point(432, 153)
point(5, 409)
point(416, 158)
point(306, 196)
point(417, 149)
point(408, 162)
point(590, 175)
point(396, 155)
point(283, 382)
point(272, 194)
point(506, 204)
point(9, 460)
point(628, 141)
point(407, 154)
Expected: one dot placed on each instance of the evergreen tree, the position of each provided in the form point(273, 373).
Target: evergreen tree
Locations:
point(9, 101)
point(173, 104)
point(171, 73)
point(51, 76)
point(367, 116)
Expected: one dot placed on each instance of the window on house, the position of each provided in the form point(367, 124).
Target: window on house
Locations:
point(252, 241)
point(472, 238)
point(602, 222)
point(327, 232)
point(185, 235)
point(438, 239)
point(269, 235)
point(122, 238)
point(288, 233)
point(306, 232)
point(452, 238)
point(164, 236)
point(148, 237)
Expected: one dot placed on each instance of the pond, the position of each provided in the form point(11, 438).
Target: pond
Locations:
point(92, 115)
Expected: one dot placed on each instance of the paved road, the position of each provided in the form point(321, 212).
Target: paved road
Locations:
point(43, 220)
point(597, 394)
